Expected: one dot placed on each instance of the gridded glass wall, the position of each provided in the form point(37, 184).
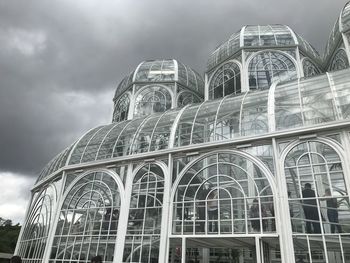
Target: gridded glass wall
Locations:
point(226, 80)
point(223, 193)
point(318, 202)
point(34, 238)
point(185, 97)
point(145, 215)
point(121, 108)
point(152, 99)
point(268, 67)
point(88, 220)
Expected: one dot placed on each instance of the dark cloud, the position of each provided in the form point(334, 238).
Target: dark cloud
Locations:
point(60, 61)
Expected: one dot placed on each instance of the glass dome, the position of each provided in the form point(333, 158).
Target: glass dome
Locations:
point(162, 71)
point(290, 105)
point(257, 36)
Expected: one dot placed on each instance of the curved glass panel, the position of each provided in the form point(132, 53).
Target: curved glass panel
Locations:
point(317, 100)
point(229, 118)
point(269, 35)
point(345, 18)
point(123, 144)
point(204, 122)
point(156, 70)
point(341, 81)
point(88, 220)
point(145, 216)
point(318, 201)
point(124, 85)
point(309, 68)
point(161, 133)
point(121, 108)
point(81, 145)
point(107, 145)
point(254, 114)
point(91, 149)
point(226, 80)
point(143, 137)
point(186, 98)
point(32, 245)
point(339, 61)
point(288, 111)
point(56, 163)
point(268, 67)
point(184, 128)
point(152, 99)
point(223, 193)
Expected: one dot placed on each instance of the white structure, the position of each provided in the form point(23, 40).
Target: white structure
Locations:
point(214, 171)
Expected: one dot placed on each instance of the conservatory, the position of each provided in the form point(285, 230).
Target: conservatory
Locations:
point(249, 164)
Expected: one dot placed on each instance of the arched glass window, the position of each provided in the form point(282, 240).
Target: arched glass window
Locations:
point(121, 108)
point(310, 69)
point(36, 230)
point(319, 202)
point(145, 215)
point(223, 193)
point(339, 61)
point(152, 99)
point(186, 98)
point(268, 67)
point(227, 80)
point(88, 220)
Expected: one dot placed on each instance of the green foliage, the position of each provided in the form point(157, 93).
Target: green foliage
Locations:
point(8, 236)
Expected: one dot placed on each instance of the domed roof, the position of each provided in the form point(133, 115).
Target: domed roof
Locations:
point(342, 25)
point(288, 105)
point(167, 70)
point(260, 36)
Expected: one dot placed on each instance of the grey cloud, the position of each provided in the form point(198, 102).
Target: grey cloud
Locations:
point(50, 97)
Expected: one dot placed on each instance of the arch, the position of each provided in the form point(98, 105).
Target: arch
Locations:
point(121, 108)
point(223, 192)
point(38, 224)
point(268, 66)
point(152, 99)
point(309, 68)
point(225, 80)
point(87, 222)
point(185, 97)
point(318, 198)
point(143, 231)
point(339, 60)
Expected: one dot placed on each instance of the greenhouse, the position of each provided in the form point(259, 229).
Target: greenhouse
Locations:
point(248, 164)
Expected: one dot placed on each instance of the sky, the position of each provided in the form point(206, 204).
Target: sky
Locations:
point(61, 61)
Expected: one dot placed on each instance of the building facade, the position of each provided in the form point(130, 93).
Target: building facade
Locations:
point(249, 164)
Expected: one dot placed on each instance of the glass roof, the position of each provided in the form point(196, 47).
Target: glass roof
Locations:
point(289, 105)
point(168, 70)
point(260, 36)
point(342, 25)
point(345, 18)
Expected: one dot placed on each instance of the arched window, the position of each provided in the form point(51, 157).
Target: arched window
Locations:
point(121, 108)
point(268, 67)
point(88, 220)
point(145, 215)
point(223, 193)
point(36, 230)
point(339, 61)
point(152, 99)
point(227, 80)
point(186, 98)
point(318, 202)
point(310, 69)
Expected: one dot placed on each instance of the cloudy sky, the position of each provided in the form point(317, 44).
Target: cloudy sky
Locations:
point(60, 62)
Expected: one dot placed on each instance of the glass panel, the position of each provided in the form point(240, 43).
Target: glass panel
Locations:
point(217, 195)
point(268, 67)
